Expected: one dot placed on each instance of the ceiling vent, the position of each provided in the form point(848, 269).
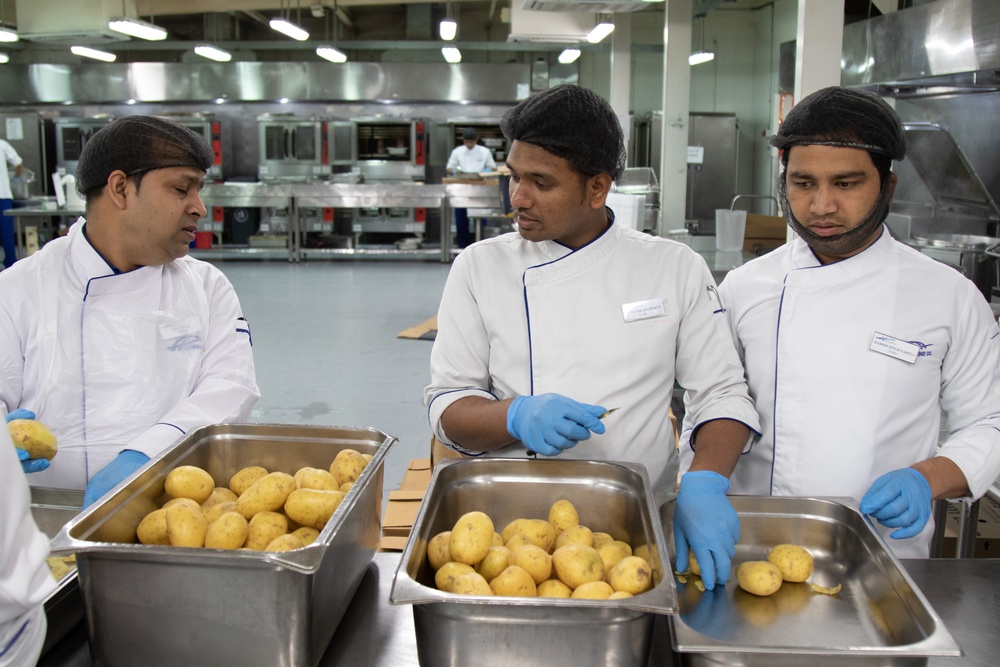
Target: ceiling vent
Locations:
point(591, 6)
point(77, 22)
point(549, 27)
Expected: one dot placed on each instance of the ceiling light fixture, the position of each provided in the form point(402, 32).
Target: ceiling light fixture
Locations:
point(448, 27)
point(213, 53)
point(4, 59)
point(569, 56)
point(701, 55)
point(137, 28)
point(451, 54)
point(600, 31)
point(88, 52)
point(289, 28)
point(8, 35)
point(330, 51)
point(331, 54)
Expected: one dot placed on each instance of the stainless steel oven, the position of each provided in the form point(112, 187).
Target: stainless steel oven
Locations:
point(210, 127)
point(72, 135)
point(391, 150)
point(292, 149)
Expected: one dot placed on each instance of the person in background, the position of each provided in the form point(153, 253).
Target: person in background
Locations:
point(11, 159)
point(855, 344)
point(541, 330)
point(25, 579)
point(114, 337)
point(469, 158)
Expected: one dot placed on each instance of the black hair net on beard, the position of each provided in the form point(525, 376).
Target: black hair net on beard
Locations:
point(137, 144)
point(573, 123)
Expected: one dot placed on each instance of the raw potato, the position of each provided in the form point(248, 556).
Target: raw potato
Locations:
point(286, 542)
point(220, 495)
point(312, 507)
point(497, 560)
point(693, 564)
point(264, 527)
point(516, 542)
point(535, 531)
point(631, 575)
point(611, 553)
point(619, 595)
point(553, 588)
point(625, 546)
point(306, 534)
point(577, 564)
point(575, 535)
point(437, 550)
point(267, 494)
point(245, 478)
point(181, 501)
point(186, 527)
point(497, 540)
point(600, 539)
point(212, 514)
point(33, 437)
point(471, 584)
point(795, 563)
point(345, 487)
point(315, 478)
point(471, 538)
point(153, 528)
point(189, 482)
point(229, 531)
point(444, 578)
point(759, 577)
point(593, 590)
point(533, 560)
point(562, 515)
point(514, 582)
point(347, 466)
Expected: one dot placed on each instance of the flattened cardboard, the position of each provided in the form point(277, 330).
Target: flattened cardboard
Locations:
point(401, 512)
point(987, 531)
point(765, 227)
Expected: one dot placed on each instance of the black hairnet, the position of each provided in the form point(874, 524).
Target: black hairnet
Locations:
point(573, 123)
point(135, 145)
point(470, 134)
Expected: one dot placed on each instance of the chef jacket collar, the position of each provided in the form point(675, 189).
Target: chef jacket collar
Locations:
point(808, 271)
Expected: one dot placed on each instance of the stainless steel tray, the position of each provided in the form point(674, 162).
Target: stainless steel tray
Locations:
point(52, 509)
point(879, 616)
point(459, 630)
point(154, 605)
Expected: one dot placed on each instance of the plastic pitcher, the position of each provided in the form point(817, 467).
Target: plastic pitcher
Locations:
point(729, 229)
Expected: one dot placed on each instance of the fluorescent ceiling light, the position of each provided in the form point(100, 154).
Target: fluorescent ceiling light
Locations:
point(451, 54)
point(600, 31)
point(448, 28)
point(290, 29)
point(700, 57)
point(569, 56)
point(213, 53)
point(8, 35)
point(331, 54)
point(4, 58)
point(88, 52)
point(137, 28)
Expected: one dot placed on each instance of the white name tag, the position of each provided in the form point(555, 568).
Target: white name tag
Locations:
point(643, 310)
point(893, 347)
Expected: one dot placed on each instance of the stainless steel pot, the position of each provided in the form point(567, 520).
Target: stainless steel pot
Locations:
point(20, 186)
point(968, 254)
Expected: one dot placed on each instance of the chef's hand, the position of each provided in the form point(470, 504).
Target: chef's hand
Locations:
point(108, 477)
point(549, 423)
point(900, 499)
point(705, 522)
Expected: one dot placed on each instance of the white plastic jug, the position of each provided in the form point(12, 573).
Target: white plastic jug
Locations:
point(66, 194)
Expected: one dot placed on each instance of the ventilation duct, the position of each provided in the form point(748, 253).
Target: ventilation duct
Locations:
point(76, 22)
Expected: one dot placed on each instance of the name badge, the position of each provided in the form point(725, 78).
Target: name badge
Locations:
point(643, 310)
point(895, 348)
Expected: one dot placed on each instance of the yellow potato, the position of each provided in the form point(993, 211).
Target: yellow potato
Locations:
point(287, 542)
point(189, 482)
point(611, 553)
point(795, 563)
point(306, 534)
point(367, 457)
point(593, 590)
point(535, 531)
point(153, 528)
point(312, 507)
point(553, 588)
point(315, 478)
point(576, 564)
point(444, 578)
point(575, 535)
point(516, 542)
point(497, 560)
point(497, 540)
point(34, 437)
point(471, 538)
point(625, 546)
point(213, 513)
point(186, 527)
point(471, 584)
point(267, 494)
point(515, 582)
point(619, 595)
point(245, 478)
point(347, 466)
point(534, 560)
point(437, 550)
point(643, 552)
point(346, 486)
point(562, 515)
point(264, 527)
point(220, 495)
point(632, 575)
point(600, 539)
point(181, 501)
point(693, 564)
point(759, 577)
point(229, 531)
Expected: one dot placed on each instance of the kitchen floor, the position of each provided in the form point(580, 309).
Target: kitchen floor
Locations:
point(326, 351)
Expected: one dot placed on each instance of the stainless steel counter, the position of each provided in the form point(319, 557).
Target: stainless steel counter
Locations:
point(965, 593)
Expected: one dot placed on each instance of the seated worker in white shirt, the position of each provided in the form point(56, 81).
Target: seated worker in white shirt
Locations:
point(543, 329)
point(469, 158)
point(117, 340)
point(854, 344)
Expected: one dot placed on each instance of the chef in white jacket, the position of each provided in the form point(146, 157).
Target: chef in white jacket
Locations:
point(469, 158)
point(25, 580)
point(541, 330)
point(854, 344)
point(116, 339)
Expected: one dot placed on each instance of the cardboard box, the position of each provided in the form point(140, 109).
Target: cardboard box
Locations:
point(392, 543)
point(401, 512)
point(765, 227)
point(987, 531)
point(758, 246)
point(417, 475)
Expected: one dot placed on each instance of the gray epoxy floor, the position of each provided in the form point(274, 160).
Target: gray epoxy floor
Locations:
point(325, 346)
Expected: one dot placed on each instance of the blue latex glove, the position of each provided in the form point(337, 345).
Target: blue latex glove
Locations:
point(900, 499)
point(31, 465)
point(20, 413)
point(549, 423)
point(705, 522)
point(108, 477)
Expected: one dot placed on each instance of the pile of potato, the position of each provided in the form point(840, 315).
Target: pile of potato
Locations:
point(555, 558)
point(785, 563)
point(259, 511)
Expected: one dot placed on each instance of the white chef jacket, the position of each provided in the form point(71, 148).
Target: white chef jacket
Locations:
point(120, 361)
point(480, 158)
point(836, 414)
point(10, 157)
point(25, 580)
point(612, 323)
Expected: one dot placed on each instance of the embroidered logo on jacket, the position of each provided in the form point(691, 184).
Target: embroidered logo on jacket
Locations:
point(924, 351)
point(187, 342)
